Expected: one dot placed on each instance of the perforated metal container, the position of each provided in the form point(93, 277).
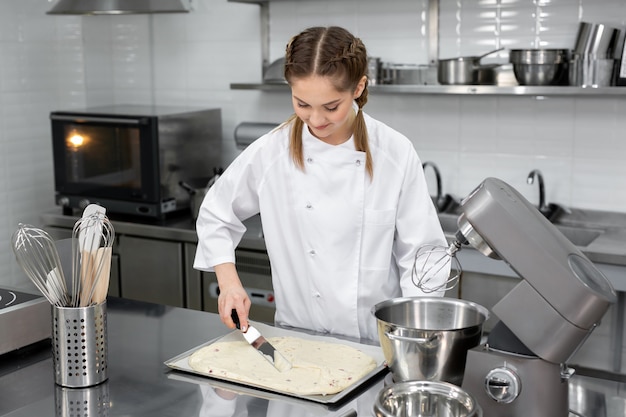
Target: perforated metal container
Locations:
point(79, 345)
point(80, 402)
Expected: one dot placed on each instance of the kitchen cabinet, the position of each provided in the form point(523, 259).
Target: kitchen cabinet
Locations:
point(143, 269)
point(254, 272)
point(151, 270)
point(193, 279)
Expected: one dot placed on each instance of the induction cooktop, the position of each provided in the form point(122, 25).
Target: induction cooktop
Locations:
point(10, 298)
point(25, 319)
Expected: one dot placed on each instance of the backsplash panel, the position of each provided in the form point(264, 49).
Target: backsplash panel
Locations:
point(476, 137)
point(59, 62)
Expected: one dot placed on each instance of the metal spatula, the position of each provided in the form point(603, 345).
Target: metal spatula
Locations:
point(265, 348)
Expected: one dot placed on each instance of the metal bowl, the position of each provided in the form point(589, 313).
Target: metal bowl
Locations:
point(274, 74)
point(540, 66)
point(425, 399)
point(427, 338)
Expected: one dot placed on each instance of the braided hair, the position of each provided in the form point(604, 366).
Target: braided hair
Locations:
point(335, 53)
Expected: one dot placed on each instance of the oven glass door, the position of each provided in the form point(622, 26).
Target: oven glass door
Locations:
point(106, 157)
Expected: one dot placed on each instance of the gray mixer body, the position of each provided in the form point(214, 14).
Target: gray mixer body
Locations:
point(549, 314)
point(509, 385)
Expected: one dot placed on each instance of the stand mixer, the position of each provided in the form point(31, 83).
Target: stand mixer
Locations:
point(521, 370)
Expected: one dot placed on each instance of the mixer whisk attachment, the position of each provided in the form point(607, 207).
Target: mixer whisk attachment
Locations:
point(436, 268)
point(37, 254)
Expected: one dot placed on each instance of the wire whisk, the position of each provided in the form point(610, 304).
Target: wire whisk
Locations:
point(92, 241)
point(436, 268)
point(37, 254)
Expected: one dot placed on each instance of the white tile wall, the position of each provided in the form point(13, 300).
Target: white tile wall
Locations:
point(41, 68)
point(51, 62)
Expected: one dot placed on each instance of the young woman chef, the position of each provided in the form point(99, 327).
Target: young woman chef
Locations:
point(342, 198)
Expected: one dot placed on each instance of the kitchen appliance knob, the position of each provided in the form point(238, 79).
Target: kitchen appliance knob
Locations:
point(63, 201)
point(503, 385)
point(83, 203)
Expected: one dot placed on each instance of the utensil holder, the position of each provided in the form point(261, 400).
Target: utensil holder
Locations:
point(81, 402)
point(79, 345)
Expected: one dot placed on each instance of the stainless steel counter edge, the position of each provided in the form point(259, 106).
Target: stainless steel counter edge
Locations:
point(473, 261)
point(142, 336)
point(608, 251)
point(181, 229)
point(608, 248)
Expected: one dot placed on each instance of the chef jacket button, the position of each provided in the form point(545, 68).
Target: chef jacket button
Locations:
point(309, 205)
point(358, 162)
point(317, 295)
point(312, 252)
point(309, 160)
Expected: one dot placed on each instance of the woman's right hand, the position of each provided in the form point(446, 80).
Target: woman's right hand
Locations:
point(232, 296)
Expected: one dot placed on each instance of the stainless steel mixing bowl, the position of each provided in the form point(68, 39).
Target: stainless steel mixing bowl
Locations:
point(427, 338)
point(425, 399)
point(540, 66)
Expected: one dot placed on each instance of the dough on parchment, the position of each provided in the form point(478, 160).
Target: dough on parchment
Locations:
point(318, 368)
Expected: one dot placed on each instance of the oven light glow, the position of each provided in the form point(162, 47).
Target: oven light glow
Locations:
point(76, 140)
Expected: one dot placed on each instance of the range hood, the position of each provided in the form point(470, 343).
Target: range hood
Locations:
point(115, 7)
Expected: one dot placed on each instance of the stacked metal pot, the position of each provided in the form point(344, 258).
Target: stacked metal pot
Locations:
point(593, 57)
point(590, 63)
point(467, 70)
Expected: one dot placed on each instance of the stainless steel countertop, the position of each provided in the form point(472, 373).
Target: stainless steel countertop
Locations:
point(142, 336)
point(608, 248)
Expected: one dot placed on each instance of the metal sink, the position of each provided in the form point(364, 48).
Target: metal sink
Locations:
point(579, 236)
point(448, 223)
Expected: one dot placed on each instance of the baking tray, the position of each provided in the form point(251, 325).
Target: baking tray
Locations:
point(180, 362)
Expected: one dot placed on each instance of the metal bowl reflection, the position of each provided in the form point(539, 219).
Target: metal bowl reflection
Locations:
point(425, 399)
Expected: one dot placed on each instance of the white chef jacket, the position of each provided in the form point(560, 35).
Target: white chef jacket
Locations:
point(339, 242)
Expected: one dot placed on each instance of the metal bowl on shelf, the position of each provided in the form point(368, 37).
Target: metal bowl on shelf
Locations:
point(274, 73)
point(540, 66)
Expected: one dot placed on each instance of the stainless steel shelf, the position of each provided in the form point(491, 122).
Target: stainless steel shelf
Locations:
point(259, 86)
point(487, 90)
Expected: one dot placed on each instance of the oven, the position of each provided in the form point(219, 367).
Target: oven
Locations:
point(130, 159)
